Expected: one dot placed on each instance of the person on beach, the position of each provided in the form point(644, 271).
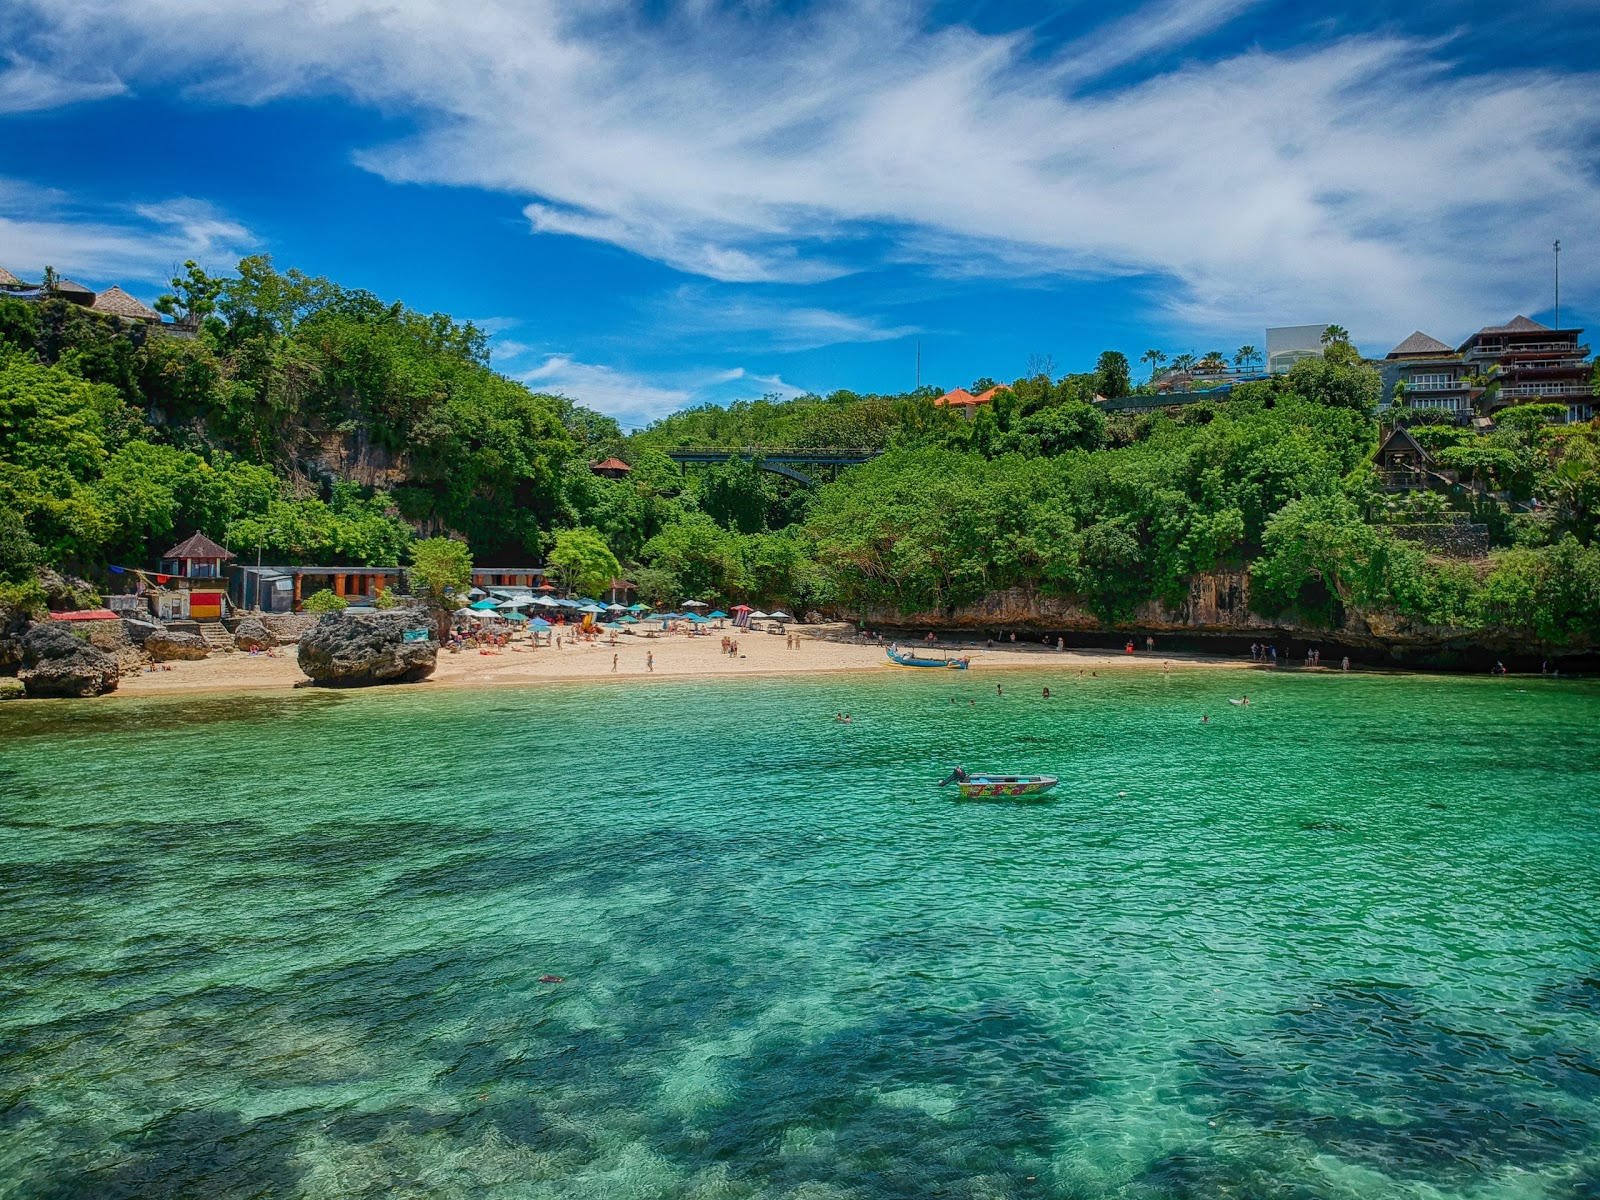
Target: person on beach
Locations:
point(1128, 649)
point(997, 690)
point(1061, 644)
point(650, 660)
point(613, 663)
point(1344, 664)
point(1149, 644)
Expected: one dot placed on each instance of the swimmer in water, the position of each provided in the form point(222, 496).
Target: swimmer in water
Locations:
point(1047, 693)
point(997, 690)
point(1206, 720)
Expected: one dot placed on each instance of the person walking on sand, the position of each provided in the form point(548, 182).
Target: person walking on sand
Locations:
point(613, 664)
point(1344, 664)
point(1061, 644)
point(650, 661)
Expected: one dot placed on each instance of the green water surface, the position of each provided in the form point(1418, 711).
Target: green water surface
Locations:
point(1342, 943)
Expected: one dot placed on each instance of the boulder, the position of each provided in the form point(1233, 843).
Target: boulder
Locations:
point(54, 663)
point(139, 629)
point(356, 650)
point(253, 635)
point(171, 646)
point(12, 689)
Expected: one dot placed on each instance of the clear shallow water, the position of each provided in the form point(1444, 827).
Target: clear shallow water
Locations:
point(1342, 944)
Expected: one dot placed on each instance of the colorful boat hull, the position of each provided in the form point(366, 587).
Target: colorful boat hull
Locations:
point(1005, 787)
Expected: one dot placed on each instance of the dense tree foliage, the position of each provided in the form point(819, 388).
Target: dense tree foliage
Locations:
point(304, 421)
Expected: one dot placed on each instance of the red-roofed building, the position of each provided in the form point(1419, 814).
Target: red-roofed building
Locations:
point(964, 400)
point(611, 468)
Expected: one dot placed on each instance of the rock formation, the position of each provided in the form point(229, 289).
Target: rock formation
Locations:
point(253, 635)
point(11, 689)
point(346, 650)
point(54, 663)
point(170, 646)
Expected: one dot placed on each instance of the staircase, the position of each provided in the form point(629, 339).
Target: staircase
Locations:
point(216, 635)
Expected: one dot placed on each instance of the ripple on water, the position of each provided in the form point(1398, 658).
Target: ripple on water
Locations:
point(1253, 958)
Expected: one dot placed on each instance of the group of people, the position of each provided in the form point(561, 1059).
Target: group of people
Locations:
point(730, 647)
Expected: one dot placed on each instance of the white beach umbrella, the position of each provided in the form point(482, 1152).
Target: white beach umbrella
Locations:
point(548, 602)
point(780, 616)
point(694, 604)
point(758, 615)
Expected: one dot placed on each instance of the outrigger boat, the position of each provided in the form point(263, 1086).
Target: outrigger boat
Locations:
point(906, 658)
point(987, 786)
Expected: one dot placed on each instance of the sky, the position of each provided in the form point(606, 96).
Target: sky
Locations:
point(657, 204)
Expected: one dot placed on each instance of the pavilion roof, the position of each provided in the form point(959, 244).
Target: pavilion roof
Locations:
point(1421, 343)
point(118, 303)
point(68, 288)
point(610, 464)
point(7, 279)
point(197, 546)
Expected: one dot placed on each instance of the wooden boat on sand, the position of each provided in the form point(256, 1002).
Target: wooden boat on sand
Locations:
point(908, 658)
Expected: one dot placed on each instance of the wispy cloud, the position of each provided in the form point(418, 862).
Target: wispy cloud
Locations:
point(635, 400)
point(25, 86)
point(768, 325)
point(1352, 178)
point(129, 245)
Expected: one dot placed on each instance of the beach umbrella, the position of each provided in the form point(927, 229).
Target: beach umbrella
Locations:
point(611, 625)
point(781, 616)
point(539, 623)
point(694, 604)
point(463, 612)
point(515, 602)
point(628, 620)
point(593, 609)
point(513, 616)
point(634, 608)
point(614, 607)
point(547, 602)
point(758, 615)
point(475, 593)
point(483, 604)
point(718, 615)
point(741, 608)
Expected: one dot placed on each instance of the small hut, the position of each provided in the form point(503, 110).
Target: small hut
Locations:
point(74, 292)
point(1402, 462)
point(196, 565)
point(10, 282)
point(611, 468)
point(114, 302)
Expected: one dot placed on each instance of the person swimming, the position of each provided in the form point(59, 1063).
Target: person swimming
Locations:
point(1047, 693)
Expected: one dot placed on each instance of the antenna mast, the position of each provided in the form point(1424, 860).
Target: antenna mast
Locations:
point(1557, 249)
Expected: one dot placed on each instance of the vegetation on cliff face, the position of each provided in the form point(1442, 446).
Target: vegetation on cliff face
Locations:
point(260, 429)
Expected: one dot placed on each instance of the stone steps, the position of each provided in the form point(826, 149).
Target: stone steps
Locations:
point(216, 635)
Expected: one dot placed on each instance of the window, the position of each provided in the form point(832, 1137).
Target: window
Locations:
point(1426, 382)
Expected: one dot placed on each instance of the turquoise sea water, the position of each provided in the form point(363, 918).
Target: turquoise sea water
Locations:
point(1341, 944)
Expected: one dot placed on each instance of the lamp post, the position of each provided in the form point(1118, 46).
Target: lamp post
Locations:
point(259, 543)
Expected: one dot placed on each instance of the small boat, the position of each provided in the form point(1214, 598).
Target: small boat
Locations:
point(985, 785)
point(906, 658)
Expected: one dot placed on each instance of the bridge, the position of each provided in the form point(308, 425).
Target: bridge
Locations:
point(779, 461)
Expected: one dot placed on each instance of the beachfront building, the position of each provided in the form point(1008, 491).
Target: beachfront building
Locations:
point(1436, 376)
point(1289, 344)
point(1531, 362)
point(277, 589)
point(190, 583)
point(114, 302)
point(1403, 464)
point(507, 577)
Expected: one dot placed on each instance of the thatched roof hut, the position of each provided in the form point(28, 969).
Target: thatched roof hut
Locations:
point(74, 292)
point(115, 302)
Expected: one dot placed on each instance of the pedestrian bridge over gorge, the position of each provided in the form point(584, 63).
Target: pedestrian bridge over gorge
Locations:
point(780, 461)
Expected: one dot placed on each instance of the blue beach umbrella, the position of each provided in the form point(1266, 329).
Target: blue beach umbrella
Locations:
point(482, 605)
point(539, 623)
point(718, 615)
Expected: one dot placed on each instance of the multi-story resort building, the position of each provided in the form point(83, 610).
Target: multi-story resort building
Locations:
point(1516, 363)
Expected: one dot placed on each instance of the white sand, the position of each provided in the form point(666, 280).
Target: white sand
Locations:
point(676, 655)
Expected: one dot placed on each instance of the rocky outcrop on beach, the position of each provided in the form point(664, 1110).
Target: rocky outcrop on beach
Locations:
point(347, 650)
point(288, 627)
point(12, 689)
point(55, 663)
point(139, 629)
point(171, 646)
point(251, 634)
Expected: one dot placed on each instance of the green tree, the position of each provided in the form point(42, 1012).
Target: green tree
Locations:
point(1247, 357)
point(1112, 378)
point(441, 576)
point(1155, 358)
point(584, 560)
point(324, 601)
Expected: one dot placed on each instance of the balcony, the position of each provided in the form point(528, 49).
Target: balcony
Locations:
point(1547, 390)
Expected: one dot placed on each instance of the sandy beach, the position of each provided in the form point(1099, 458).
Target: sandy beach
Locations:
point(676, 656)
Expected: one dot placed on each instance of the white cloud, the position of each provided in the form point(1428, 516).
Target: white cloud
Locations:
point(635, 401)
point(142, 243)
point(1360, 177)
point(769, 325)
point(25, 86)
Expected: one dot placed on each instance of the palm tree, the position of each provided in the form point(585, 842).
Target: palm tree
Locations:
point(1183, 362)
point(1155, 358)
point(1247, 356)
point(1213, 361)
point(1335, 333)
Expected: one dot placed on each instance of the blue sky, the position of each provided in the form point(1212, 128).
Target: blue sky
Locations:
point(657, 204)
